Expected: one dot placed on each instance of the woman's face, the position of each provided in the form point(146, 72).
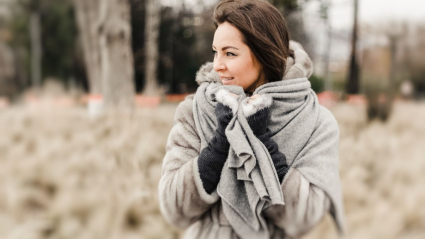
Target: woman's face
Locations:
point(233, 59)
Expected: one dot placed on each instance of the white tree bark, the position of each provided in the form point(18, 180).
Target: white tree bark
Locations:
point(36, 48)
point(106, 36)
point(153, 18)
point(87, 13)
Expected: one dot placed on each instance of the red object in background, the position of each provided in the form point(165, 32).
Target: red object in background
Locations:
point(147, 101)
point(4, 102)
point(64, 102)
point(95, 97)
point(175, 98)
point(356, 99)
point(327, 98)
point(86, 98)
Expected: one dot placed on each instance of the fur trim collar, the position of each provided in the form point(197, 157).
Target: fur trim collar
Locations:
point(255, 105)
point(227, 99)
point(207, 74)
point(301, 66)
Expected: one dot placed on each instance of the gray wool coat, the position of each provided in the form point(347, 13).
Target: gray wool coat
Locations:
point(185, 204)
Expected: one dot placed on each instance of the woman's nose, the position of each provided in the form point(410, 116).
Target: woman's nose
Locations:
point(218, 65)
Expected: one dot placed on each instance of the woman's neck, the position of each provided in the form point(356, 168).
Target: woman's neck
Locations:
point(260, 81)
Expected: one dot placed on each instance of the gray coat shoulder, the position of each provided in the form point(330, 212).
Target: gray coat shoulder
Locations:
point(184, 113)
point(327, 119)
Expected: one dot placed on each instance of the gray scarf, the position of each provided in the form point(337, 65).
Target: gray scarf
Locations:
point(249, 182)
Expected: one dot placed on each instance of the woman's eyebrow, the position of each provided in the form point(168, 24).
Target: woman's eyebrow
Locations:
point(227, 47)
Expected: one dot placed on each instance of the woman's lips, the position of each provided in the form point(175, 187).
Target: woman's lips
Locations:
point(226, 80)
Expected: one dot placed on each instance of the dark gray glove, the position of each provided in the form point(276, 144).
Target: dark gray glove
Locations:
point(258, 124)
point(212, 158)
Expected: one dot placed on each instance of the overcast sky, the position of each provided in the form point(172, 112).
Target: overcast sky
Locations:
point(341, 11)
point(373, 11)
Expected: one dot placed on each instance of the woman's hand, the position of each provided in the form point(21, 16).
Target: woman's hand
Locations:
point(212, 158)
point(224, 114)
point(258, 121)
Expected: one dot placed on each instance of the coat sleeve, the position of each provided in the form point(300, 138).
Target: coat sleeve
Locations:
point(181, 194)
point(305, 203)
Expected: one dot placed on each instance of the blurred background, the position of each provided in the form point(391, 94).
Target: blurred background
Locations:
point(89, 88)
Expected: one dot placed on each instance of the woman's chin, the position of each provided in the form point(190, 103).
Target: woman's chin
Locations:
point(228, 82)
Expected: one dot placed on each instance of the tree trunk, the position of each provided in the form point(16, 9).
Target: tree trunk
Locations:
point(353, 75)
point(116, 53)
point(153, 18)
point(87, 14)
point(393, 49)
point(36, 48)
point(327, 75)
point(106, 36)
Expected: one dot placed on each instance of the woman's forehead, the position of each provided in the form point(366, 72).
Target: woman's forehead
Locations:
point(227, 35)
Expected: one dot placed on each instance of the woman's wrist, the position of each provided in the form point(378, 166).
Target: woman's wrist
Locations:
point(211, 162)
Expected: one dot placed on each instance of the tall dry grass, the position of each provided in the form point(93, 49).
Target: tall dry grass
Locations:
point(382, 173)
point(63, 175)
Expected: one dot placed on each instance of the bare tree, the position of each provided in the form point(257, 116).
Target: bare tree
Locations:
point(324, 10)
point(35, 9)
point(106, 38)
point(36, 48)
point(153, 18)
point(87, 13)
point(353, 75)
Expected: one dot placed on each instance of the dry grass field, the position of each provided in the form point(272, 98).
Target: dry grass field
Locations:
point(382, 169)
point(64, 175)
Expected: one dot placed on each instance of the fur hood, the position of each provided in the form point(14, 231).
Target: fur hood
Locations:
point(297, 67)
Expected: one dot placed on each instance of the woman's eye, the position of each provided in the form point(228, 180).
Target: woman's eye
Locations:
point(227, 54)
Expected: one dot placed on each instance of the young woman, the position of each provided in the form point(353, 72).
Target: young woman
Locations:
point(251, 154)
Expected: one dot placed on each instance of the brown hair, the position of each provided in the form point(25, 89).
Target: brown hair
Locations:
point(264, 31)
